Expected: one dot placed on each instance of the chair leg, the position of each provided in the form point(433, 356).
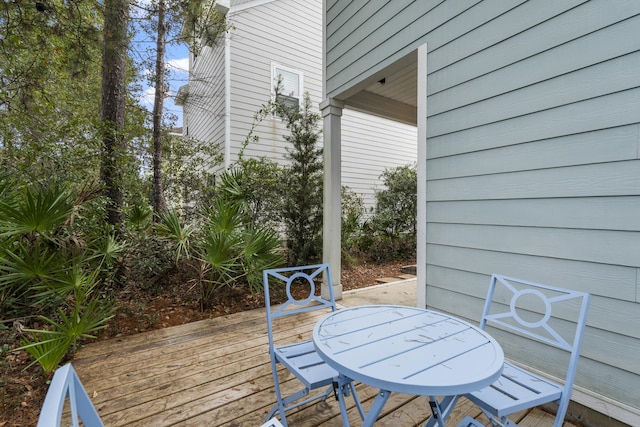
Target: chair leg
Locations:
point(502, 422)
point(343, 406)
point(281, 407)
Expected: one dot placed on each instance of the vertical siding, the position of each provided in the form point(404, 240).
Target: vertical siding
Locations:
point(533, 151)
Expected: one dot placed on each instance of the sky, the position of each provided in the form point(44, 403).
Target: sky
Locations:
point(177, 59)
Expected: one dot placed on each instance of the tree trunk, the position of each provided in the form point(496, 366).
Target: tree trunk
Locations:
point(114, 60)
point(159, 204)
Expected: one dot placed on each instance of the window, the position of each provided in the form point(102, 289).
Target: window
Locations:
point(290, 82)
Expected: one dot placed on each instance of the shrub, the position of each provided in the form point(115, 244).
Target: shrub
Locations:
point(230, 248)
point(234, 251)
point(257, 184)
point(390, 234)
point(396, 204)
point(301, 181)
point(304, 181)
point(351, 224)
point(46, 262)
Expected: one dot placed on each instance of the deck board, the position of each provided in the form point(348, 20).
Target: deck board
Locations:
point(217, 372)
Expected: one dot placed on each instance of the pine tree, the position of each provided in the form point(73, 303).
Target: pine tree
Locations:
point(304, 179)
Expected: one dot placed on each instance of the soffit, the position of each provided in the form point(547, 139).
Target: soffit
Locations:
point(390, 92)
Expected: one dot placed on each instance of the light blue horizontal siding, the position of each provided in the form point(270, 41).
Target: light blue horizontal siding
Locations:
point(591, 213)
point(557, 61)
point(391, 39)
point(599, 246)
point(622, 73)
point(448, 263)
point(533, 28)
point(616, 109)
point(604, 179)
point(453, 46)
point(599, 146)
point(533, 149)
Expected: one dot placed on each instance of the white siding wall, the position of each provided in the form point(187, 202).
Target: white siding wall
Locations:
point(533, 155)
point(204, 109)
point(288, 33)
point(369, 146)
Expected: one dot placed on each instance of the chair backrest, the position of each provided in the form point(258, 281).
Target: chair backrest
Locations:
point(541, 312)
point(290, 278)
point(65, 383)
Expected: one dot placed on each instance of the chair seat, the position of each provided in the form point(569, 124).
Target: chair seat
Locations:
point(515, 390)
point(303, 361)
point(300, 358)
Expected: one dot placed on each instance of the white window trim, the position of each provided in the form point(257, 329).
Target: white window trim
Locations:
point(274, 66)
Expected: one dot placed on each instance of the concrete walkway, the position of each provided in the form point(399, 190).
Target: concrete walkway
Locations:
point(402, 292)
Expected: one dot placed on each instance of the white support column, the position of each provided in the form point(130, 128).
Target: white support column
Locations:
point(227, 100)
point(421, 253)
point(331, 247)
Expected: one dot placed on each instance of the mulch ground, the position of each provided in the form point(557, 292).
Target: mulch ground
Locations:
point(140, 309)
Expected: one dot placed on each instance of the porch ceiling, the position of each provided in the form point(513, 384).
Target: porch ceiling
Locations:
point(389, 93)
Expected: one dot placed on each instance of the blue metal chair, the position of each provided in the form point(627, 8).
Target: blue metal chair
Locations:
point(550, 315)
point(300, 358)
point(273, 422)
point(65, 383)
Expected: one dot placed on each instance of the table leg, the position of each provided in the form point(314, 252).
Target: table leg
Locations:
point(376, 408)
point(440, 410)
point(344, 387)
point(343, 407)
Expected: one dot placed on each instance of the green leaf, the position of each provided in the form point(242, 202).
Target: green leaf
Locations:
point(41, 210)
point(170, 228)
point(48, 348)
point(23, 266)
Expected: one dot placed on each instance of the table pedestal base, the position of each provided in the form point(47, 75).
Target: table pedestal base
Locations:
point(440, 410)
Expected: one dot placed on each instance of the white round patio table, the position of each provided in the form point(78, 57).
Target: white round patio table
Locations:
point(409, 350)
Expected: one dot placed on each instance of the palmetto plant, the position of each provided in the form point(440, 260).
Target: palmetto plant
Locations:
point(229, 249)
point(45, 263)
point(28, 245)
point(222, 241)
point(235, 250)
point(140, 217)
point(40, 210)
point(171, 228)
point(79, 320)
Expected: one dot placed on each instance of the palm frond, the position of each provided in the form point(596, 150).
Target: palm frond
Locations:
point(22, 266)
point(40, 210)
point(171, 228)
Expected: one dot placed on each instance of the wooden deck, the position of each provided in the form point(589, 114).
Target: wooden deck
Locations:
point(216, 373)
